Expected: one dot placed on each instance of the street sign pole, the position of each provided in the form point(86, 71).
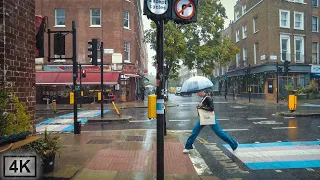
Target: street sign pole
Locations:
point(75, 76)
point(249, 81)
point(277, 82)
point(160, 101)
point(80, 74)
point(101, 59)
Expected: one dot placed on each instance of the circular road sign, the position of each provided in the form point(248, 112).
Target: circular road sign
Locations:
point(185, 9)
point(157, 7)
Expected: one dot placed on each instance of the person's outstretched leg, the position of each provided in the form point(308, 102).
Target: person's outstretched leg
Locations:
point(195, 132)
point(223, 135)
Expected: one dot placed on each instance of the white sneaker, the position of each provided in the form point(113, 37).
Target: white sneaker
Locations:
point(186, 151)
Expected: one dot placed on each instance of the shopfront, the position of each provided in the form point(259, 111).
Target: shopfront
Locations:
point(315, 75)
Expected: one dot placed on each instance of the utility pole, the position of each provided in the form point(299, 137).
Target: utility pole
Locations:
point(277, 89)
point(101, 58)
point(75, 76)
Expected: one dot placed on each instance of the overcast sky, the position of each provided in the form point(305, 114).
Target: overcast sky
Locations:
point(228, 4)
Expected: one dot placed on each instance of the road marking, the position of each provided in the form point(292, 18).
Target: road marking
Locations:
point(256, 118)
point(223, 119)
point(180, 131)
point(289, 117)
point(235, 129)
point(257, 142)
point(268, 122)
point(318, 126)
point(279, 141)
point(180, 120)
point(137, 121)
point(310, 169)
point(278, 171)
point(284, 127)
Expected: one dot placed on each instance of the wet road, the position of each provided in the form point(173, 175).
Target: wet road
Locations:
point(254, 126)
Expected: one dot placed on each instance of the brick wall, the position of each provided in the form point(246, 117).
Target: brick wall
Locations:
point(17, 59)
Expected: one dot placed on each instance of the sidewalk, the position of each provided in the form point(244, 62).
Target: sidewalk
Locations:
point(120, 105)
point(121, 155)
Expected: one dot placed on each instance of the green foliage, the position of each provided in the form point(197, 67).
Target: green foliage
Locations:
point(15, 121)
point(311, 96)
point(318, 96)
point(289, 87)
point(46, 146)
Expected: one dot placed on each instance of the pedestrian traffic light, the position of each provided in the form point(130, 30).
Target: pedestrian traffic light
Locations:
point(184, 11)
point(279, 69)
point(93, 51)
point(157, 10)
point(83, 73)
point(286, 66)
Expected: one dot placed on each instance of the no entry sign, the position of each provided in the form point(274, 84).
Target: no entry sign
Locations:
point(185, 9)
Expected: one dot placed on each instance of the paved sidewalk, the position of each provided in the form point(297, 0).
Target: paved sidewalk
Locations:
point(121, 155)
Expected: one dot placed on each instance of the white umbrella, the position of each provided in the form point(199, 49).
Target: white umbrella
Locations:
point(196, 84)
point(149, 86)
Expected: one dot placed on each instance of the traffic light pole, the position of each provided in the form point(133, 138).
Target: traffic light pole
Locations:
point(277, 87)
point(101, 69)
point(80, 69)
point(75, 75)
point(249, 83)
point(160, 101)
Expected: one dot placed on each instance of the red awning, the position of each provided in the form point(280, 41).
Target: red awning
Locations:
point(65, 78)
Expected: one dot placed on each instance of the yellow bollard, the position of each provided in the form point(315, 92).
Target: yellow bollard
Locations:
point(115, 108)
point(54, 103)
point(99, 96)
point(82, 93)
point(292, 102)
point(152, 106)
point(71, 98)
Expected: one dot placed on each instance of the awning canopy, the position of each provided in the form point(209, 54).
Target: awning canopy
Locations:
point(66, 78)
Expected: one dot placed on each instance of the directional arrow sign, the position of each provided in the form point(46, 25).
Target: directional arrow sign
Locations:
point(185, 9)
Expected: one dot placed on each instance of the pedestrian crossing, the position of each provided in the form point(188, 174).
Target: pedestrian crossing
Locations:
point(64, 123)
point(279, 155)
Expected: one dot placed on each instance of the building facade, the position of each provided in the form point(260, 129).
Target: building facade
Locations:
point(271, 31)
point(117, 23)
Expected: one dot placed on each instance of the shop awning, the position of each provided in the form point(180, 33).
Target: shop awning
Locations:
point(315, 75)
point(63, 78)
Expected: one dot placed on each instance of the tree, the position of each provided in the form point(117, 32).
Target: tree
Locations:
point(174, 46)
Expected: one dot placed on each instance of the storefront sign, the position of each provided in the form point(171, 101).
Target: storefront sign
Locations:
point(315, 69)
point(129, 68)
point(69, 68)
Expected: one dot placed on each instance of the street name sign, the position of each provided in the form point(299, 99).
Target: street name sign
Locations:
point(158, 7)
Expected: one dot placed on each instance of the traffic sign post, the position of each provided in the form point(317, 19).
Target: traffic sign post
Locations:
point(160, 11)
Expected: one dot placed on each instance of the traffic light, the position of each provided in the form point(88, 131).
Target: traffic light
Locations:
point(184, 11)
point(157, 10)
point(279, 69)
point(93, 51)
point(247, 71)
point(83, 73)
point(286, 66)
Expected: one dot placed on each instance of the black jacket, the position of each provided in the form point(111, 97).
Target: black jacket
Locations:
point(207, 104)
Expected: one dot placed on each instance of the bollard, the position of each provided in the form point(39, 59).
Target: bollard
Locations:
point(99, 96)
point(152, 106)
point(54, 103)
point(71, 98)
point(292, 103)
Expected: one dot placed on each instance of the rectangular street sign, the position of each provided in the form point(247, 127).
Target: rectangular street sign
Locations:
point(108, 51)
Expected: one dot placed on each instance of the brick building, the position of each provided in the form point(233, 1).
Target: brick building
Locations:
point(17, 65)
point(117, 23)
point(267, 31)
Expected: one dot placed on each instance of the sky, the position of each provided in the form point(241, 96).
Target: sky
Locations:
point(228, 4)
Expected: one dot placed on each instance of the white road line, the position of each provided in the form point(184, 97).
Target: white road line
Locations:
point(278, 171)
point(180, 131)
point(310, 169)
point(140, 121)
point(256, 118)
point(257, 142)
point(284, 127)
point(279, 141)
point(289, 117)
point(223, 119)
point(180, 120)
point(235, 129)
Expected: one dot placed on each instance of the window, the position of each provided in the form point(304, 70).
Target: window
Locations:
point(298, 20)
point(244, 31)
point(315, 3)
point(254, 24)
point(314, 24)
point(127, 52)
point(95, 17)
point(237, 35)
point(245, 57)
point(285, 47)
point(299, 48)
point(237, 15)
point(126, 20)
point(244, 9)
point(60, 17)
point(238, 60)
point(284, 18)
point(255, 52)
point(315, 53)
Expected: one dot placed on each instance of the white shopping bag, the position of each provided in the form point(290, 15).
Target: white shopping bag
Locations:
point(206, 117)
